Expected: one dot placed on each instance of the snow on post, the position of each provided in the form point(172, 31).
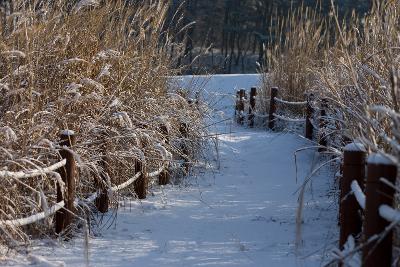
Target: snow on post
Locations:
point(354, 147)
point(353, 170)
point(378, 194)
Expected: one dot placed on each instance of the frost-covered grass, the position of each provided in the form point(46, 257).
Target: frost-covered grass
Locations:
point(100, 70)
point(353, 64)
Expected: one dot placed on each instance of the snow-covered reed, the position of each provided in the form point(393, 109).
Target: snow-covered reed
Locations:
point(352, 63)
point(99, 68)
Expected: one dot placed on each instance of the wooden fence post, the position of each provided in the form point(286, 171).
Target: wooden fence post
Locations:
point(102, 200)
point(237, 104)
point(253, 94)
point(184, 130)
point(353, 169)
point(164, 177)
point(140, 184)
point(322, 125)
point(197, 97)
point(378, 193)
point(272, 107)
point(64, 217)
point(309, 116)
point(242, 95)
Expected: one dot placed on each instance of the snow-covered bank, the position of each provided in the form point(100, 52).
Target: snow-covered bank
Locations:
point(242, 214)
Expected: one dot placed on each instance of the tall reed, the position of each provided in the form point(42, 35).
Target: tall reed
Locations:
point(99, 68)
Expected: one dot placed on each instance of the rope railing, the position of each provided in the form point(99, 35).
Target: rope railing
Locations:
point(281, 101)
point(258, 115)
point(280, 117)
point(33, 173)
point(273, 116)
point(166, 158)
point(35, 217)
point(58, 206)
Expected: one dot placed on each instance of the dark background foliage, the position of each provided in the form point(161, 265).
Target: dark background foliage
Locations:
point(236, 29)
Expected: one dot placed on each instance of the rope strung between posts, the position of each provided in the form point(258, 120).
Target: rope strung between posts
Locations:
point(32, 173)
point(35, 217)
point(58, 206)
point(288, 119)
point(279, 100)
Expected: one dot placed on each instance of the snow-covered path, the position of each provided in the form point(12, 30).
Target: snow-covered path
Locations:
point(242, 214)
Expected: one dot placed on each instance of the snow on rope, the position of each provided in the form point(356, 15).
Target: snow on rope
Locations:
point(35, 217)
point(389, 214)
point(279, 100)
point(127, 183)
point(358, 193)
point(33, 173)
point(288, 119)
point(258, 115)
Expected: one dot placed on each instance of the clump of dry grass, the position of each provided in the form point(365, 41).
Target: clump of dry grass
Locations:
point(352, 63)
point(99, 69)
point(296, 46)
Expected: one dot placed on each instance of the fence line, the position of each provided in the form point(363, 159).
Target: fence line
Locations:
point(58, 206)
point(374, 201)
point(272, 116)
point(65, 164)
point(365, 210)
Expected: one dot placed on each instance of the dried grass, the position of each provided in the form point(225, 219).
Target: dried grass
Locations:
point(99, 69)
point(352, 63)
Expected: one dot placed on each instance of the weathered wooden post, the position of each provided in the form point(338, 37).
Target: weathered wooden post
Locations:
point(164, 176)
point(64, 217)
point(322, 126)
point(197, 97)
point(242, 95)
point(309, 116)
point(237, 104)
point(378, 193)
point(353, 169)
point(252, 107)
point(140, 184)
point(102, 200)
point(184, 130)
point(272, 107)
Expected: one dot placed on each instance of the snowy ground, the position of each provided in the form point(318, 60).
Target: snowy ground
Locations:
point(242, 214)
